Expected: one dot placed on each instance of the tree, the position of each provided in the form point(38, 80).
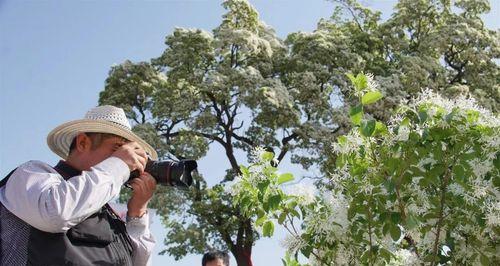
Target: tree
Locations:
point(241, 87)
point(232, 88)
point(441, 45)
point(423, 189)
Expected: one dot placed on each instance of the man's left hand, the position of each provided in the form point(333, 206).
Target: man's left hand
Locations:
point(143, 189)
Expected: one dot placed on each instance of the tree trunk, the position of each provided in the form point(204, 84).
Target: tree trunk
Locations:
point(243, 256)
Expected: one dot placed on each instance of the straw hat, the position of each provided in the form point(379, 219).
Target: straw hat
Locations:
point(101, 119)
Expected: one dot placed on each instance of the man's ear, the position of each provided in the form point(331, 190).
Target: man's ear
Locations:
point(83, 142)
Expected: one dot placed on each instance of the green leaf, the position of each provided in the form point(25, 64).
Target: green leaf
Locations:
point(274, 202)
point(395, 232)
point(484, 260)
point(422, 115)
point(282, 217)
point(362, 81)
point(359, 82)
point(306, 251)
point(395, 217)
point(352, 78)
point(386, 254)
point(371, 97)
point(431, 258)
point(267, 156)
point(263, 186)
point(286, 177)
point(244, 170)
point(295, 213)
point(386, 228)
point(380, 128)
point(268, 229)
point(260, 221)
point(368, 127)
point(245, 202)
point(356, 114)
point(411, 222)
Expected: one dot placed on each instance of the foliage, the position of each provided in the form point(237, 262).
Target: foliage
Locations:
point(441, 45)
point(230, 88)
point(422, 189)
point(240, 86)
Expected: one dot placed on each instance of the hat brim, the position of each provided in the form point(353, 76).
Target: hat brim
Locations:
point(60, 138)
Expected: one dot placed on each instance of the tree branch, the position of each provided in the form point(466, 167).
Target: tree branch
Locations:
point(243, 139)
point(285, 141)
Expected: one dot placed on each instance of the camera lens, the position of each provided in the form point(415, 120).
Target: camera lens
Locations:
point(170, 173)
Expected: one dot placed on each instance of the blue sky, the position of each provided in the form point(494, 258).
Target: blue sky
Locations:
point(55, 56)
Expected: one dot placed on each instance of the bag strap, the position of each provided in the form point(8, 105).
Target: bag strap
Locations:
point(6, 178)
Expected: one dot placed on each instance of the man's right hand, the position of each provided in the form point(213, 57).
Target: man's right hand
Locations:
point(133, 155)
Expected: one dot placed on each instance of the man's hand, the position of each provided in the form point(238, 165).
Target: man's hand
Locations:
point(144, 187)
point(133, 155)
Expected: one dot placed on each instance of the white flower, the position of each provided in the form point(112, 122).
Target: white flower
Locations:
point(372, 84)
point(352, 142)
point(456, 189)
point(403, 133)
point(464, 103)
point(493, 214)
point(331, 223)
point(338, 205)
point(426, 161)
point(480, 168)
point(339, 175)
point(233, 188)
point(343, 256)
point(491, 141)
point(306, 192)
point(256, 156)
point(367, 187)
point(445, 251)
point(404, 257)
point(293, 243)
point(162, 77)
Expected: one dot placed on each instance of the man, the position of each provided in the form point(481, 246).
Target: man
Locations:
point(60, 216)
point(215, 258)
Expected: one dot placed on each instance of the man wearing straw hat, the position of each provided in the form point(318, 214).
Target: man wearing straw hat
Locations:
point(60, 215)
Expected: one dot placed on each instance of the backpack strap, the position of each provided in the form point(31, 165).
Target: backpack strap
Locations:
point(6, 178)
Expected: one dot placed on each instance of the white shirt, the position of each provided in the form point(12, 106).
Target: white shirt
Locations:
point(41, 197)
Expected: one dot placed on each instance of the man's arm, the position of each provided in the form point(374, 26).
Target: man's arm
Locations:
point(42, 198)
point(138, 219)
point(143, 241)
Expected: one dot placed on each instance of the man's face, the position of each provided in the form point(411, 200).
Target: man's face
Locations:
point(97, 154)
point(216, 262)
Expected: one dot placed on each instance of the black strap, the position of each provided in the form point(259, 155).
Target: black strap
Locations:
point(6, 178)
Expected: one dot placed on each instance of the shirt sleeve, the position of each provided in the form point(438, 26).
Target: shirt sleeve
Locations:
point(42, 198)
point(143, 241)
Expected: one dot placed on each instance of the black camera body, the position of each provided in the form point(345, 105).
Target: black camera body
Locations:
point(170, 173)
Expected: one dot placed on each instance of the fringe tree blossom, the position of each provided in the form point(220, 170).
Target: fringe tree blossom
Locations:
point(404, 257)
point(305, 192)
point(423, 189)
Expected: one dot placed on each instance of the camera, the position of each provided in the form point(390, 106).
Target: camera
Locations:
point(170, 173)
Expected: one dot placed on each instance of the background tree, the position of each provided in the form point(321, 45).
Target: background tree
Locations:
point(241, 87)
point(232, 88)
point(441, 45)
